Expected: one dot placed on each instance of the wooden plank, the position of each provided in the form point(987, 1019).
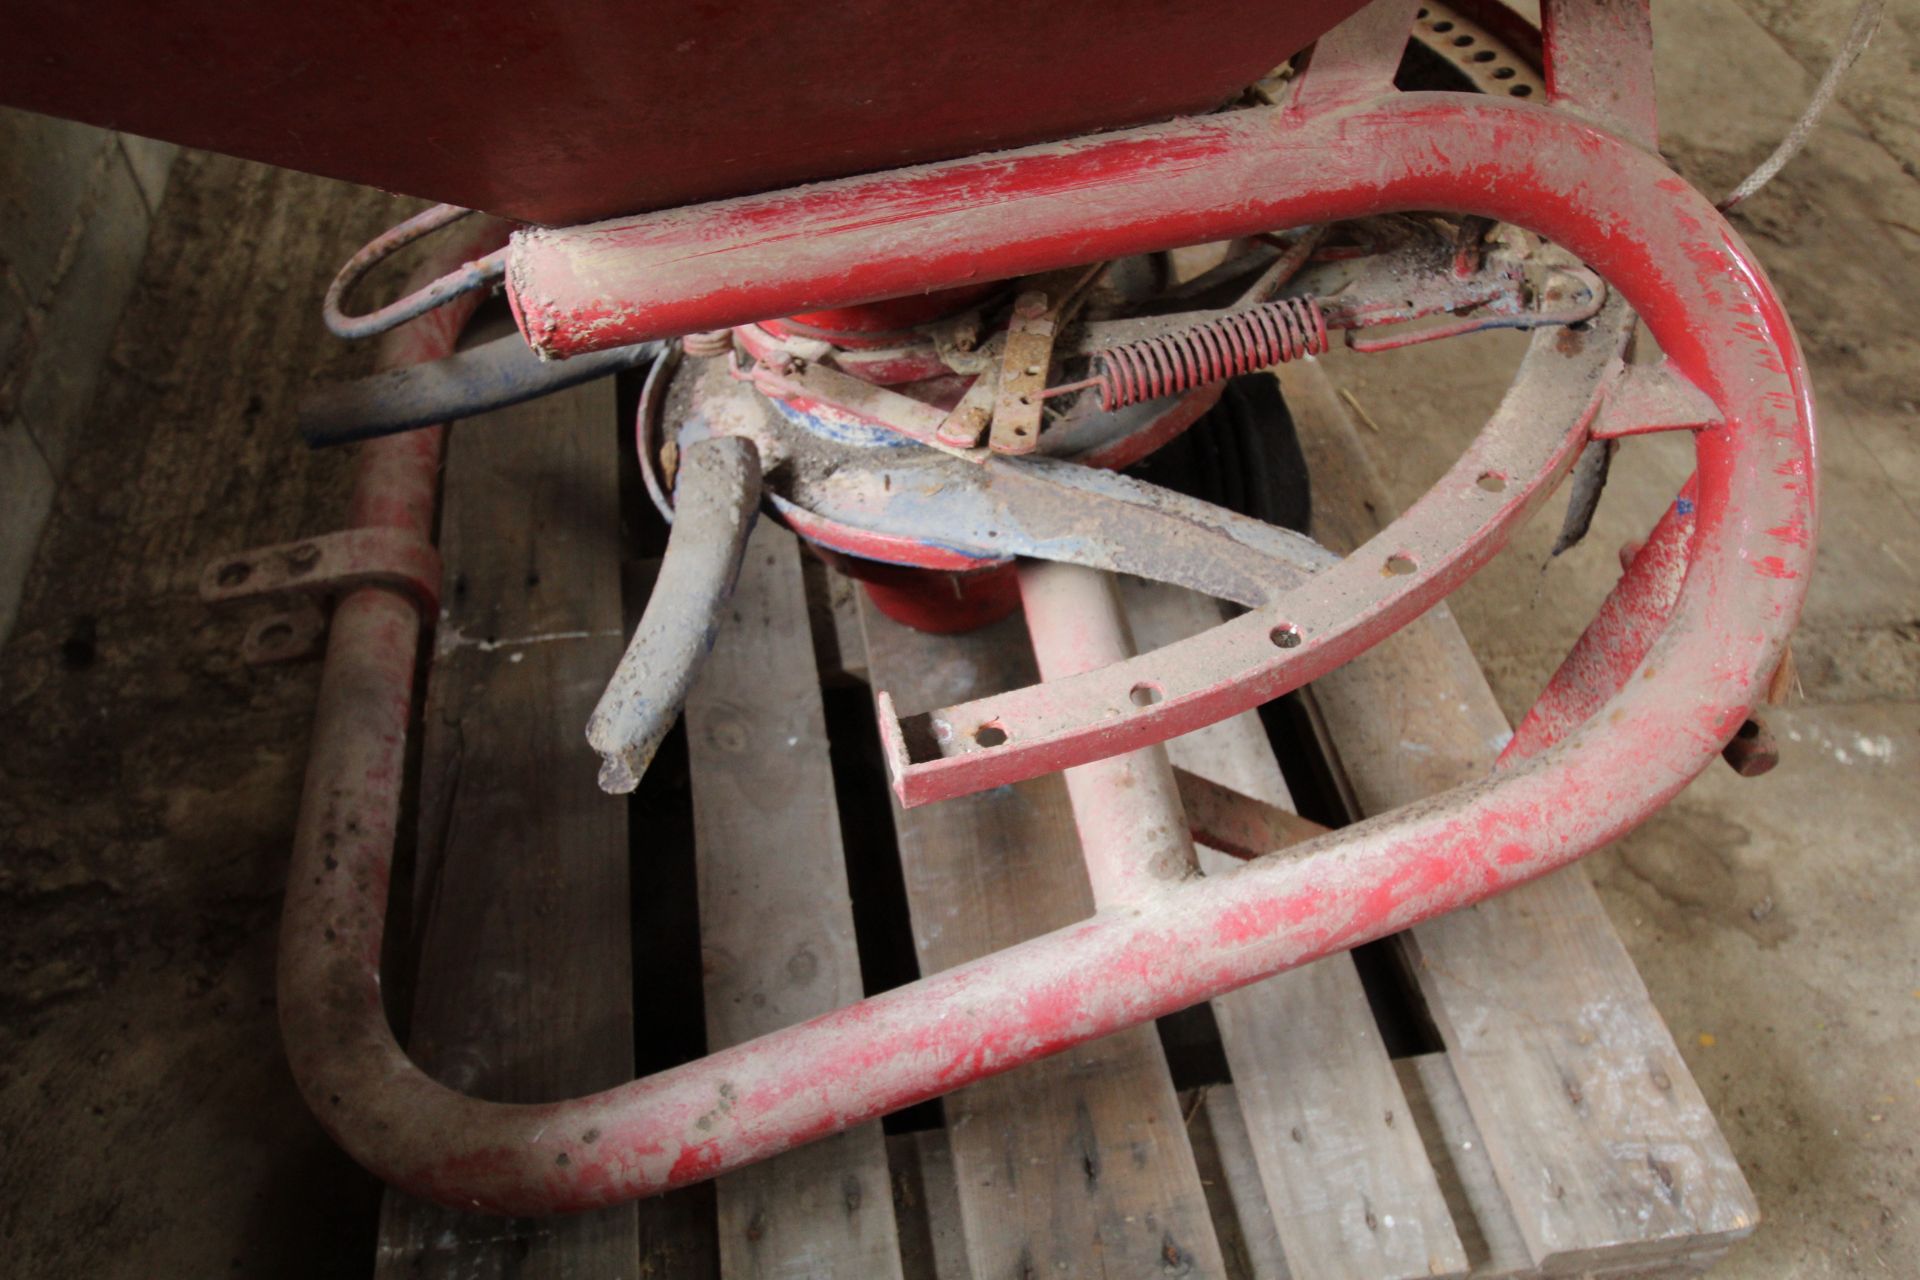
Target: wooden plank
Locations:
point(1599, 1136)
point(927, 1203)
point(524, 986)
point(678, 1235)
point(1078, 1164)
point(1480, 1206)
point(1350, 1188)
point(1481, 1211)
point(838, 646)
point(776, 922)
point(1226, 1124)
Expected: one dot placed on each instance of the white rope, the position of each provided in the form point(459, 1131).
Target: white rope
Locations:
point(1866, 20)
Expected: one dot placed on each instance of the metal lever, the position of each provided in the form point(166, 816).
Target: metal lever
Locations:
point(716, 499)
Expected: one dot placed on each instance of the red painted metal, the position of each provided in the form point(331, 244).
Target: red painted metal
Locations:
point(1609, 75)
point(893, 317)
point(1120, 454)
point(1356, 61)
point(1126, 808)
point(1294, 631)
point(1652, 237)
point(935, 602)
point(1242, 342)
point(1216, 178)
point(883, 548)
point(1017, 213)
point(1616, 641)
point(560, 111)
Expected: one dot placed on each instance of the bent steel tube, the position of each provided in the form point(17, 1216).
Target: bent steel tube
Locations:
point(461, 278)
point(1617, 207)
point(718, 497)
point(1133, 832)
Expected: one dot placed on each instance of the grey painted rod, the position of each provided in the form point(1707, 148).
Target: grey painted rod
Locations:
point(717, 496)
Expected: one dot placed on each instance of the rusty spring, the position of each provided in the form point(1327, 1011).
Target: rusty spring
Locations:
point(1224, 347)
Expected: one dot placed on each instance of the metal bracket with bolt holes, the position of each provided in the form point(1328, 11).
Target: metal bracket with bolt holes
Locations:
point(328, 566)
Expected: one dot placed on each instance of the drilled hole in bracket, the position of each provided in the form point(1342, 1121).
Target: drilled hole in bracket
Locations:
point(1401, 565)
point(990, 735)
point(1492, 482)
point(1145, 695)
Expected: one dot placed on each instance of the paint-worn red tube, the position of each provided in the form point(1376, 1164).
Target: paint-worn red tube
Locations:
point(1615, 642)
point(1126, 807)
point(1653, 238)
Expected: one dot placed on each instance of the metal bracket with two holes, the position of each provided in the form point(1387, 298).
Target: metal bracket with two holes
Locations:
point(313, 570)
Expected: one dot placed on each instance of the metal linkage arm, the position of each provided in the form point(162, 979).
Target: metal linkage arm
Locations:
point(717, 498)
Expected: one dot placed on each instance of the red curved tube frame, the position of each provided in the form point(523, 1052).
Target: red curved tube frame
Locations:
point(1654, 239)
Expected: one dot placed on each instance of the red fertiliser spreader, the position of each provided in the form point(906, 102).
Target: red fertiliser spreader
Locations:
point(900, 281)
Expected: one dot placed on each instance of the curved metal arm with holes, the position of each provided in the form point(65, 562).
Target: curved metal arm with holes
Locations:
point(1301, 629)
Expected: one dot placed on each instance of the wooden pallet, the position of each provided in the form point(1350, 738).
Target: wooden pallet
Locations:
point(1555, 1131)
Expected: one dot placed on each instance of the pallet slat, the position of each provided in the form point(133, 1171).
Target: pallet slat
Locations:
point(1347, 1181)
point(1599, 1136)
point(776, 923)
point(523, 990)
point(1488, 1230)
point(1226, 1124)
point(1078, 1163)
point(932, 1246)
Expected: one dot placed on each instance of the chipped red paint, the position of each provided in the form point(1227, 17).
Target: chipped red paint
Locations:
point(1618, 638)
point(1589, 778)
point(1126, 807)
point(883, 548)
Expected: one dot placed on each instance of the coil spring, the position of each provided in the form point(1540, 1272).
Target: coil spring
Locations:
point(1226, 347)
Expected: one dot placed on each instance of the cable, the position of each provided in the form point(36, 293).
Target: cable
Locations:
point(1866, 20)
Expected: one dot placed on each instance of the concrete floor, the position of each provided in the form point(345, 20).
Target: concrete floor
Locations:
point(148, 781)
point(1773, 919)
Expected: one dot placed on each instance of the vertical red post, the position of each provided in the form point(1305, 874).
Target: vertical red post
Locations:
point(1133, 831)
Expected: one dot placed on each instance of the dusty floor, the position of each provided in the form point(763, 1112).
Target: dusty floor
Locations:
point(1774, 920)
point(148, 779)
